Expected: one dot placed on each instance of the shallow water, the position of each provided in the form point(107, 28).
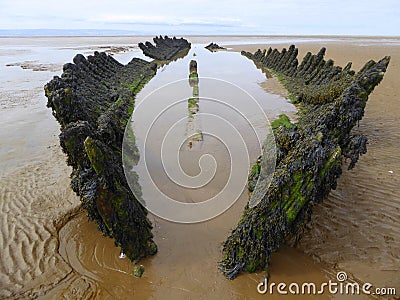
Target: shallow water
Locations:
point(186, 264)
point(214, 139)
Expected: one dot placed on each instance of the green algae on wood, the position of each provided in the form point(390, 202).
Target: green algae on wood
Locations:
point(138, 271)
point(284, 121)
point(309, 153)
point(93, 101)
point(193, 131)
point(254, 175)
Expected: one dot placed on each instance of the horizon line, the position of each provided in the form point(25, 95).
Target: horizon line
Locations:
point(128, 33)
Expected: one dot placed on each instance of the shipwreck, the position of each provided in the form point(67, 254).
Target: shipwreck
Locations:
point(310, 153)
point(95, 96)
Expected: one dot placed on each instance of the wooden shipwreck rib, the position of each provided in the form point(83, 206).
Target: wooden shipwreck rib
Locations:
point(310, 152)
point(213, 47)
point(165, 48)
point(93, 101)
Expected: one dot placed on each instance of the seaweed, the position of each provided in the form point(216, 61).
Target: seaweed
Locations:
point(93, 101)
point(310, 153)
point(165, 48)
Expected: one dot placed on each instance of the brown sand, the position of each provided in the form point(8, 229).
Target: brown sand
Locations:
point(273, 86)
point(356, 229)
point(35, 201)
point(184, 268)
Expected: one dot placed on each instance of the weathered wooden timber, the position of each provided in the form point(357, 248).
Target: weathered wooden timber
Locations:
point(310, 153)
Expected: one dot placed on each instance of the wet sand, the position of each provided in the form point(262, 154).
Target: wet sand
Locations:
point(47, 253)
point(35, 202)
point(356, 229)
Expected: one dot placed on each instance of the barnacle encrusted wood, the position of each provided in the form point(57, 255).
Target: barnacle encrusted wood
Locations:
point(310, 152)
point(165, 48)
point(93, 101)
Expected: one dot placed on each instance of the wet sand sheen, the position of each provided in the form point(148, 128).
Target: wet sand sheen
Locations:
point(354, 230)
point(34, 202)
point(184, 268)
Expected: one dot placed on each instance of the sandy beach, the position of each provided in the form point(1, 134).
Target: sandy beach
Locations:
point(50, 250)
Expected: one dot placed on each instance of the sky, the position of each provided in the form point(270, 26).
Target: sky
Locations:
point(257, 17)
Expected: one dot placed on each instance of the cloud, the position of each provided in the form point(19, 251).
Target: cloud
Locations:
point(165, 20)
point(218, 17)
